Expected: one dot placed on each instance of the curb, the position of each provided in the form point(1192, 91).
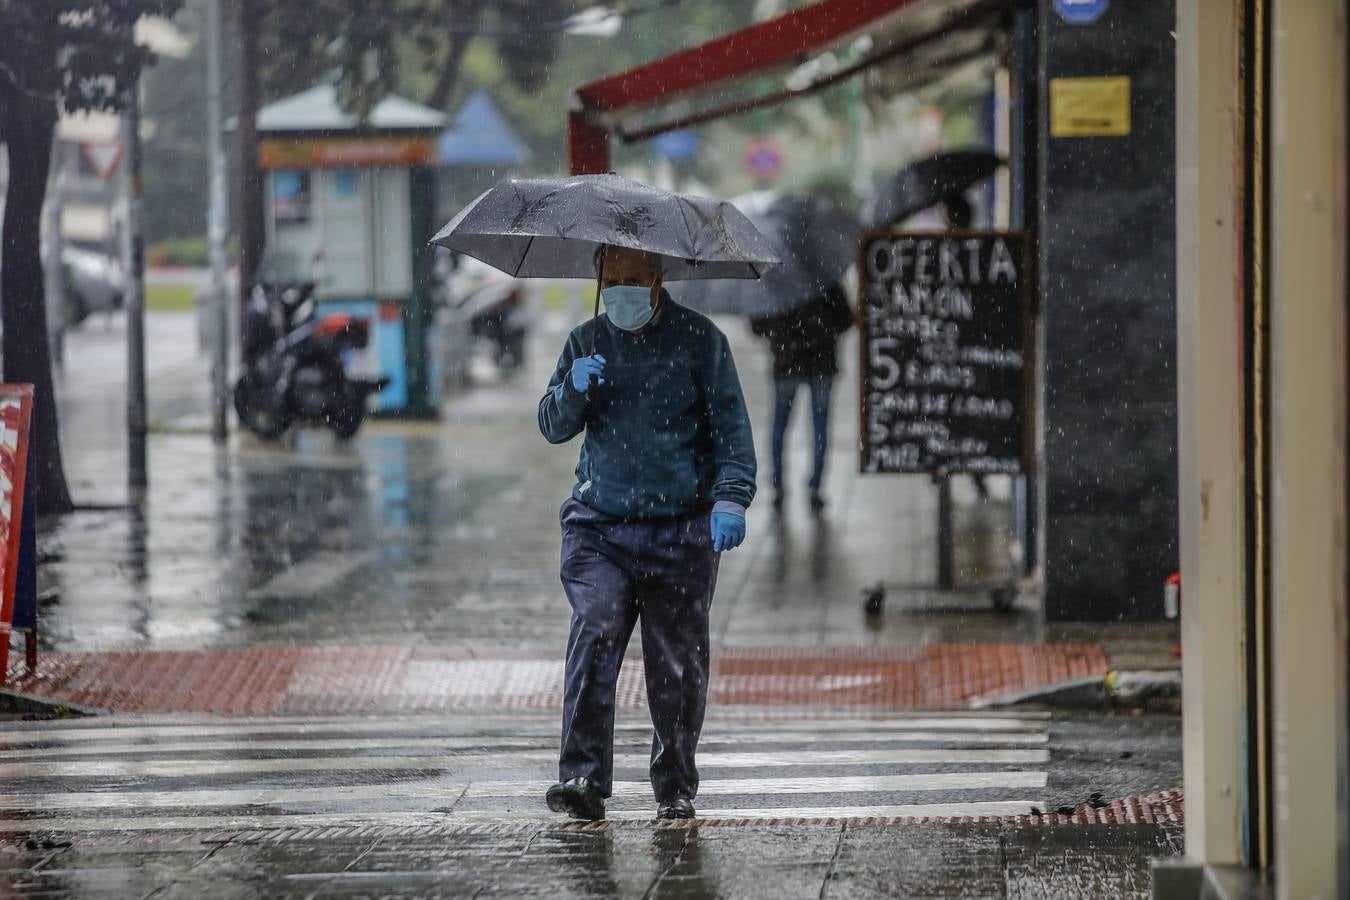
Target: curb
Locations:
point(1152, 691)
point(17, 703)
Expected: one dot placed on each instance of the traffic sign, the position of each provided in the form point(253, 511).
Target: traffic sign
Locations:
point(764, 159)
point(1081, 12)
point(103, 156)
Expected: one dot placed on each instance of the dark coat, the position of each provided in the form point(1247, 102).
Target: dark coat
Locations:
point(667, 434)
point(804, 341)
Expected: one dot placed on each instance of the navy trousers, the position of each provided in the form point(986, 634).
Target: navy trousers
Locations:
point(617, 573)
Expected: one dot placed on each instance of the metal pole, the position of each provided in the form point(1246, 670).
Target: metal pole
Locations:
point(54, 273)
point(133, 248)
point(1024, 166)
point(215, 229)
point(945, 576)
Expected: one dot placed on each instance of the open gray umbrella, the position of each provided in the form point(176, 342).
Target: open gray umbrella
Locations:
point(928, 182)
point(552, 227)
point(816, 242)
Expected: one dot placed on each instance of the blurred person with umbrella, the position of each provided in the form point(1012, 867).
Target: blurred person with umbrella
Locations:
point(800, 308)
point(804, 344)
point(943, 178)
point(667, 466)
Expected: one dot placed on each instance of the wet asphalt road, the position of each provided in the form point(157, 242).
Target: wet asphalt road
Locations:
point(452, 806)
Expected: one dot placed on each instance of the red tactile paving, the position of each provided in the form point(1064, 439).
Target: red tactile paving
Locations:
point(385, 678)
point(1164, 807)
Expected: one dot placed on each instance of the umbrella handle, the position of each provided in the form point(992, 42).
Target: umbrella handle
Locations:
point(595, 316)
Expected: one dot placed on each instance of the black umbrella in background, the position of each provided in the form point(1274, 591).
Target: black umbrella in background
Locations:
point(927, 183)
point(815, 241)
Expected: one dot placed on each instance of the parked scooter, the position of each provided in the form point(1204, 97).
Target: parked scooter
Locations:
point(487, 305)
point(293, 364)
point(500, 321)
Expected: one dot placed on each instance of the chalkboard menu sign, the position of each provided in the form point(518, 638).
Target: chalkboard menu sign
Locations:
point(944, 332)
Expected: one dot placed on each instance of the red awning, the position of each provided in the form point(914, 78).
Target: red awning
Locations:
point(785, 41)
point(776, 42)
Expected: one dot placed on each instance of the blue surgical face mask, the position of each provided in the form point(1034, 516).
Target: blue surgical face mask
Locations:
point(628, 306)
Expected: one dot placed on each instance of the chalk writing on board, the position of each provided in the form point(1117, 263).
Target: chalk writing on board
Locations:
point(944, 365)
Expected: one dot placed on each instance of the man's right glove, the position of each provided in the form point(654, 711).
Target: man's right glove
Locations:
point(583, 368)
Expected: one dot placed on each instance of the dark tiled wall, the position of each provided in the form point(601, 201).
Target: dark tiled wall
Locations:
point(1108, 301)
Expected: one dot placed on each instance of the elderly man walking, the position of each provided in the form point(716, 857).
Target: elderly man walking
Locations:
point(666, 473)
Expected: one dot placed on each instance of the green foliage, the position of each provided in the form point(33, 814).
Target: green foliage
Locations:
point(377, 47)
point(539, 112)
point(188, 251)
point(80, 54)
point(170, 298)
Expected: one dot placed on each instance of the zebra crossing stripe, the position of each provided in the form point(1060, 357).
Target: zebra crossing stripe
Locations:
point(835, 772)
point(453, 790)
point(843, 784)
point(204, 768)
point(302, 742)
point(531, 758)
point(384, 726)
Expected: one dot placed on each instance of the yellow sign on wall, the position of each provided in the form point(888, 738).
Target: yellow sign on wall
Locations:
point(1090, 107)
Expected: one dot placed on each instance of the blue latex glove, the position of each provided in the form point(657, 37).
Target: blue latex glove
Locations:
point(728, 531)
point(583, 368)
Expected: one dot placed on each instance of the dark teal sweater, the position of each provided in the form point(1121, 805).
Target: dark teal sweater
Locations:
point(667, 433)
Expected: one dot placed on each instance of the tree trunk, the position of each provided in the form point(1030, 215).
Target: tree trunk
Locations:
point(28, 128)
point(449, 74)
point(249, 189)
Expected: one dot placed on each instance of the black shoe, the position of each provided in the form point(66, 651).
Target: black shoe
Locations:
point(817, 501)
point(679, 808)
point(577, 797)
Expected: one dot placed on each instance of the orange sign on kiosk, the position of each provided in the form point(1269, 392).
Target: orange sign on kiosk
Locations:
point(18, 588)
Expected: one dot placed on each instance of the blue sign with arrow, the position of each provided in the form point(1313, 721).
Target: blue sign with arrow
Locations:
point(1081, 12)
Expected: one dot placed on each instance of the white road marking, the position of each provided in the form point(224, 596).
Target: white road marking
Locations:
point(207, 768)
point(522, 757)
point(236, 727)
point(451, 791)
point(846, 784)
point(499, 758)
point(542, 742)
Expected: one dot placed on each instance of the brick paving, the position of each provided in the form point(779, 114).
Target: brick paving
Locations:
point(401, 677)
point(1160, 808)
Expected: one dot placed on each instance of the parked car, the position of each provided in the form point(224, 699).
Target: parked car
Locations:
point(95, 282)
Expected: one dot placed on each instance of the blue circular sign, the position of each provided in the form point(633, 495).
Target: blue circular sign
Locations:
point(1081, 12)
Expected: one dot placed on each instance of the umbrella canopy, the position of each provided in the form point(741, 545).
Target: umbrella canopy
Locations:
point(816, 242)
point(551, 228)
point(927, 182)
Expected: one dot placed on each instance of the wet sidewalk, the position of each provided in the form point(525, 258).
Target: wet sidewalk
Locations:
point(424, 557)
point(447, 532)
point(607, 861)
point(426, 553)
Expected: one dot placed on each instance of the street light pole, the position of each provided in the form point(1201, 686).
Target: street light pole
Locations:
point(133, 247)
point(215, 229)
